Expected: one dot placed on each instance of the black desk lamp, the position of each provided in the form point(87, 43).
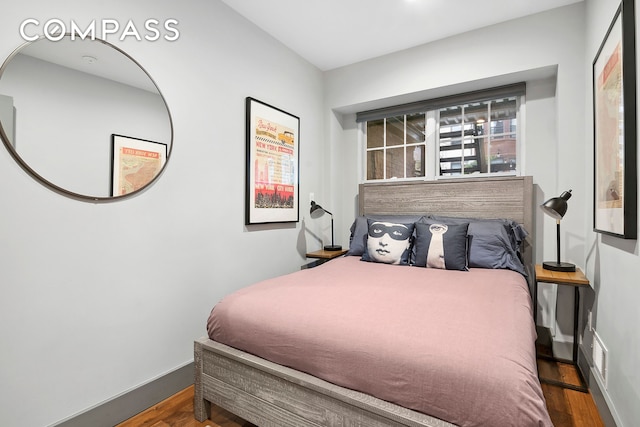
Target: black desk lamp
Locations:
point(556, 207)
point(316, 212)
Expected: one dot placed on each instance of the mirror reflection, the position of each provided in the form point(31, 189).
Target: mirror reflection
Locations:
point(63, 103)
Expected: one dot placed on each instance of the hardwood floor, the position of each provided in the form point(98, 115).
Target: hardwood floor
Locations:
point(568, 408)
point(177, 411)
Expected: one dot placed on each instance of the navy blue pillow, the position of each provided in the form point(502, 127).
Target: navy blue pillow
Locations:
point(493, 243)
point(439, 245)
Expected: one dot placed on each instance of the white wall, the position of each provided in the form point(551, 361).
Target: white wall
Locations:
point(613, 264)
point(546, 51)
point(549, 51)
point(100, 298)
point(7, 115)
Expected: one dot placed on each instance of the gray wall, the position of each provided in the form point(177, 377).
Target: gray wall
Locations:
point(98, 299)
point(547, 50)
point(7, 115)
point(613, 265)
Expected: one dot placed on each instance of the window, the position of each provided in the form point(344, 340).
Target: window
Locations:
point(475, 133)
point(396, 147)
point(478, 137)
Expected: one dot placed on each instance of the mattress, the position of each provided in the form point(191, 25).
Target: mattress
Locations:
point(457, 345)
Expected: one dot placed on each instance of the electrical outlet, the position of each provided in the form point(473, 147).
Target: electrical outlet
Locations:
point(590, 320)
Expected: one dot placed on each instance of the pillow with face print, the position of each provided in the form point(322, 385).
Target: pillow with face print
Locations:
point(360, 229)
point(441, 246)
point(388, 242)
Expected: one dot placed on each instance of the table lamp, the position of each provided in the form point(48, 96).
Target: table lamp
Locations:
point(556, 207)
point(316, 212)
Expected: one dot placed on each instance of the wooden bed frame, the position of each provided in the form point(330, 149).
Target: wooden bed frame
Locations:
point(268, 394)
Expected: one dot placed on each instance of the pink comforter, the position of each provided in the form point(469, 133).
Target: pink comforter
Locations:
point(452, 344)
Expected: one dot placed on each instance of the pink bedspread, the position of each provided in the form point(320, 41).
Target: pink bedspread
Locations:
point(452, 344)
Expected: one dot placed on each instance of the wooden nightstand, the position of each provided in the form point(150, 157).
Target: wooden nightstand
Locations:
point(575, 279)
point(323, 256)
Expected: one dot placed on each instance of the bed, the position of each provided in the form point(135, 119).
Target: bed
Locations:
point(392, 345)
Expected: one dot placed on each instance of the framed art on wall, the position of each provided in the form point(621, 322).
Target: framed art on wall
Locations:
point(614, 120)
point(272, 150)
point(134, 163)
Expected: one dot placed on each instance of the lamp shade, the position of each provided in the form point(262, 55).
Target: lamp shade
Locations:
point(317, 211)
point(556, 207)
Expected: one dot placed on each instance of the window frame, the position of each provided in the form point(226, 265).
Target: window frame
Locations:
point(384, 148)
point(431, 110)
point(490, 136)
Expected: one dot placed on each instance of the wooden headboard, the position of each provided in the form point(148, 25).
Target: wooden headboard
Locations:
point(508, 197)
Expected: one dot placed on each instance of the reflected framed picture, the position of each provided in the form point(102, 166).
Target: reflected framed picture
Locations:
point(134, 163)
point(615, 209)
point(272, 155)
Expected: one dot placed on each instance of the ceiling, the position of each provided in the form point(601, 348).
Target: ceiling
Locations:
point(335, 33)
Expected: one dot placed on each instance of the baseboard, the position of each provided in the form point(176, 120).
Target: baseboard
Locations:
point(124, 406)
point(598, 392)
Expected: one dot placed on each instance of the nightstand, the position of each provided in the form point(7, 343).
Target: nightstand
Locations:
point(322, 256)
point(576, 279)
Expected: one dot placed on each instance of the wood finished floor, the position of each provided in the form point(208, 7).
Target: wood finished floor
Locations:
point(568, 408)
point(177, 411)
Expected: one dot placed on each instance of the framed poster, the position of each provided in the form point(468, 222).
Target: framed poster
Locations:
point(614, 110)
point(134, 163)
point(273, 143)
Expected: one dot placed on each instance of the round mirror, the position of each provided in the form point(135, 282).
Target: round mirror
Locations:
point(83, 118)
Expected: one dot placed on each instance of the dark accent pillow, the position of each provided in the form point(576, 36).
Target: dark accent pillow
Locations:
point(360, 229)
point(388, 242)
point(493, 243)
point(439, 245)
